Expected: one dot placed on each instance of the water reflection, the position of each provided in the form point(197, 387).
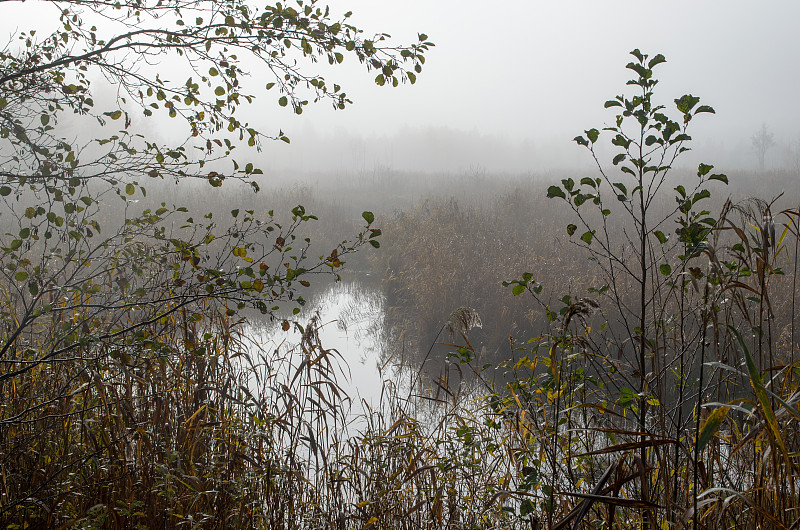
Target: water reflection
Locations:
point(349, 319)
point(369, 351)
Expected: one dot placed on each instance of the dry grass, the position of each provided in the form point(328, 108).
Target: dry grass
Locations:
point(186, 424)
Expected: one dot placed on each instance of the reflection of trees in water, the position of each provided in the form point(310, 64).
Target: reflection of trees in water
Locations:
point(397, 337)
point(441, 356)
point(348, 318)
point(360, 315)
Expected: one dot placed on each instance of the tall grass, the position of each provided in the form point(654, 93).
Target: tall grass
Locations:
point(197, 427)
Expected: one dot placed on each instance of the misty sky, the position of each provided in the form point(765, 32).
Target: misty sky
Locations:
point(511, 82)
point(542, 70)
point(533, 67)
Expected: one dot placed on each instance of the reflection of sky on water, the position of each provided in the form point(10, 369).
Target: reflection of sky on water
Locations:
point(350, 322)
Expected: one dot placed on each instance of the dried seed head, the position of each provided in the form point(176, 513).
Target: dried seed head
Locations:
point(768, 230)
point(462, 320)
point(310, 337)
point(583, 308)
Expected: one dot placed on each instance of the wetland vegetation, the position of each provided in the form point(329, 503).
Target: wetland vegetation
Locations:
point(616, 349)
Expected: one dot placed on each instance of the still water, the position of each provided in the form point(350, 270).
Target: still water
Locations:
point(349, 318)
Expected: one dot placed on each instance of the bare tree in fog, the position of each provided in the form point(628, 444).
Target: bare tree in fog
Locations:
point(762, 141)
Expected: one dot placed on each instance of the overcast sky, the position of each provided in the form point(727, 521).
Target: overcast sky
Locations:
point(542, 69)
point(530, 75)
point(529, 67)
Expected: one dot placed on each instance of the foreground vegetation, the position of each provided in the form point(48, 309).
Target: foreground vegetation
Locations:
point(204, 429)
point(652, 385)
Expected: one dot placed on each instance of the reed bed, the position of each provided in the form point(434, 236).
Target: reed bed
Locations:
point(186, 424)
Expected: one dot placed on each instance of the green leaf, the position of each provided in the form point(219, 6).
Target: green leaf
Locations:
point(580, 140)
point(375, 243)
point(283, 101)
point(130, 189)
point(593, 135)
point(21, 276)
point(612, 103)
point(704, 169)
point(643, 72)
point(115, 115)
point(5, 191)
point(658, 59)
point(711, 426)
point(665, 269)
point(720, 177)
point(660, 236)
point(619, 158)
point(621, 141)
point(686, 103)
point(555, 191)
point(761, 393)
point(587, 237)
point(704, 108)
point(518, 290)
point(571, 229)
point(219, 91)
point(369, 217)
point(702, 194)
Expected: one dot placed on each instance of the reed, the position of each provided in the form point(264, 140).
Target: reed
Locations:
point(667, 399)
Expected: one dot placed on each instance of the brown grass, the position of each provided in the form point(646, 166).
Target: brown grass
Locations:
point(187, 424)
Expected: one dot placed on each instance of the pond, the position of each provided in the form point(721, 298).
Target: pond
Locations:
point(349, 319)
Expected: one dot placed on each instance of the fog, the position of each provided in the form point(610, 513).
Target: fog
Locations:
point(508, 85)
point(458, 327)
